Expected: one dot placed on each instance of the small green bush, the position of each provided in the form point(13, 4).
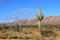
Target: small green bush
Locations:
point(48, 33)
point(21, 38)
point(27, 37)
point(30, 32)
point(13, 37)
point(3, 37)
point(26, 33)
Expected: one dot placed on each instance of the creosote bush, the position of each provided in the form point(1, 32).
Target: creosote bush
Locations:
point(21, 38)
point(13, 37)
point(26, 37)
point(48, 33)
point(4, 36)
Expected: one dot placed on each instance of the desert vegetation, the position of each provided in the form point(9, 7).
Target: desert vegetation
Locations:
point(50, 32)
point(31, 32)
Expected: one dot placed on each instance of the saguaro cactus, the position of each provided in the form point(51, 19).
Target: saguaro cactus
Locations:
point(39, 18)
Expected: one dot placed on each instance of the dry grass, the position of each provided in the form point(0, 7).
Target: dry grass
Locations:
point(27, 33)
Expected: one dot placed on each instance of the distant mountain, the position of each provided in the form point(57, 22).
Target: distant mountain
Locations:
point(26, 22)
point(55, 20)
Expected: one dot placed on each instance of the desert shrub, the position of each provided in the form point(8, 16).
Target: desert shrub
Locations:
point(40, 38)
point(57, 26)
point(26, 37)
point(26, 33)
point(5, 26)
point(3, 31)
point(30, 32)
point(9, 28)
point(2, 28)
point(12, 28)
point(29, 26)
point(52, 38)
point(20, 29)
point(13, 37)
point(48, 33)
point(21, 38)
point(17, 27)
point(4, 37)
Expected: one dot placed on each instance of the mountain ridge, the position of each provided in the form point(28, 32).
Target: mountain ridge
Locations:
point(55, 20)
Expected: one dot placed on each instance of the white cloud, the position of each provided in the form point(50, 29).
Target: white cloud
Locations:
point(11, 17)
point(15, 15)
point(27, 10)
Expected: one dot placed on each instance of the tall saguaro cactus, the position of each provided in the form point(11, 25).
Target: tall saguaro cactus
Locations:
point(39, 18)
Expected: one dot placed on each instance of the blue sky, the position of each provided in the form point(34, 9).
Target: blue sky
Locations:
point(11, 10)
